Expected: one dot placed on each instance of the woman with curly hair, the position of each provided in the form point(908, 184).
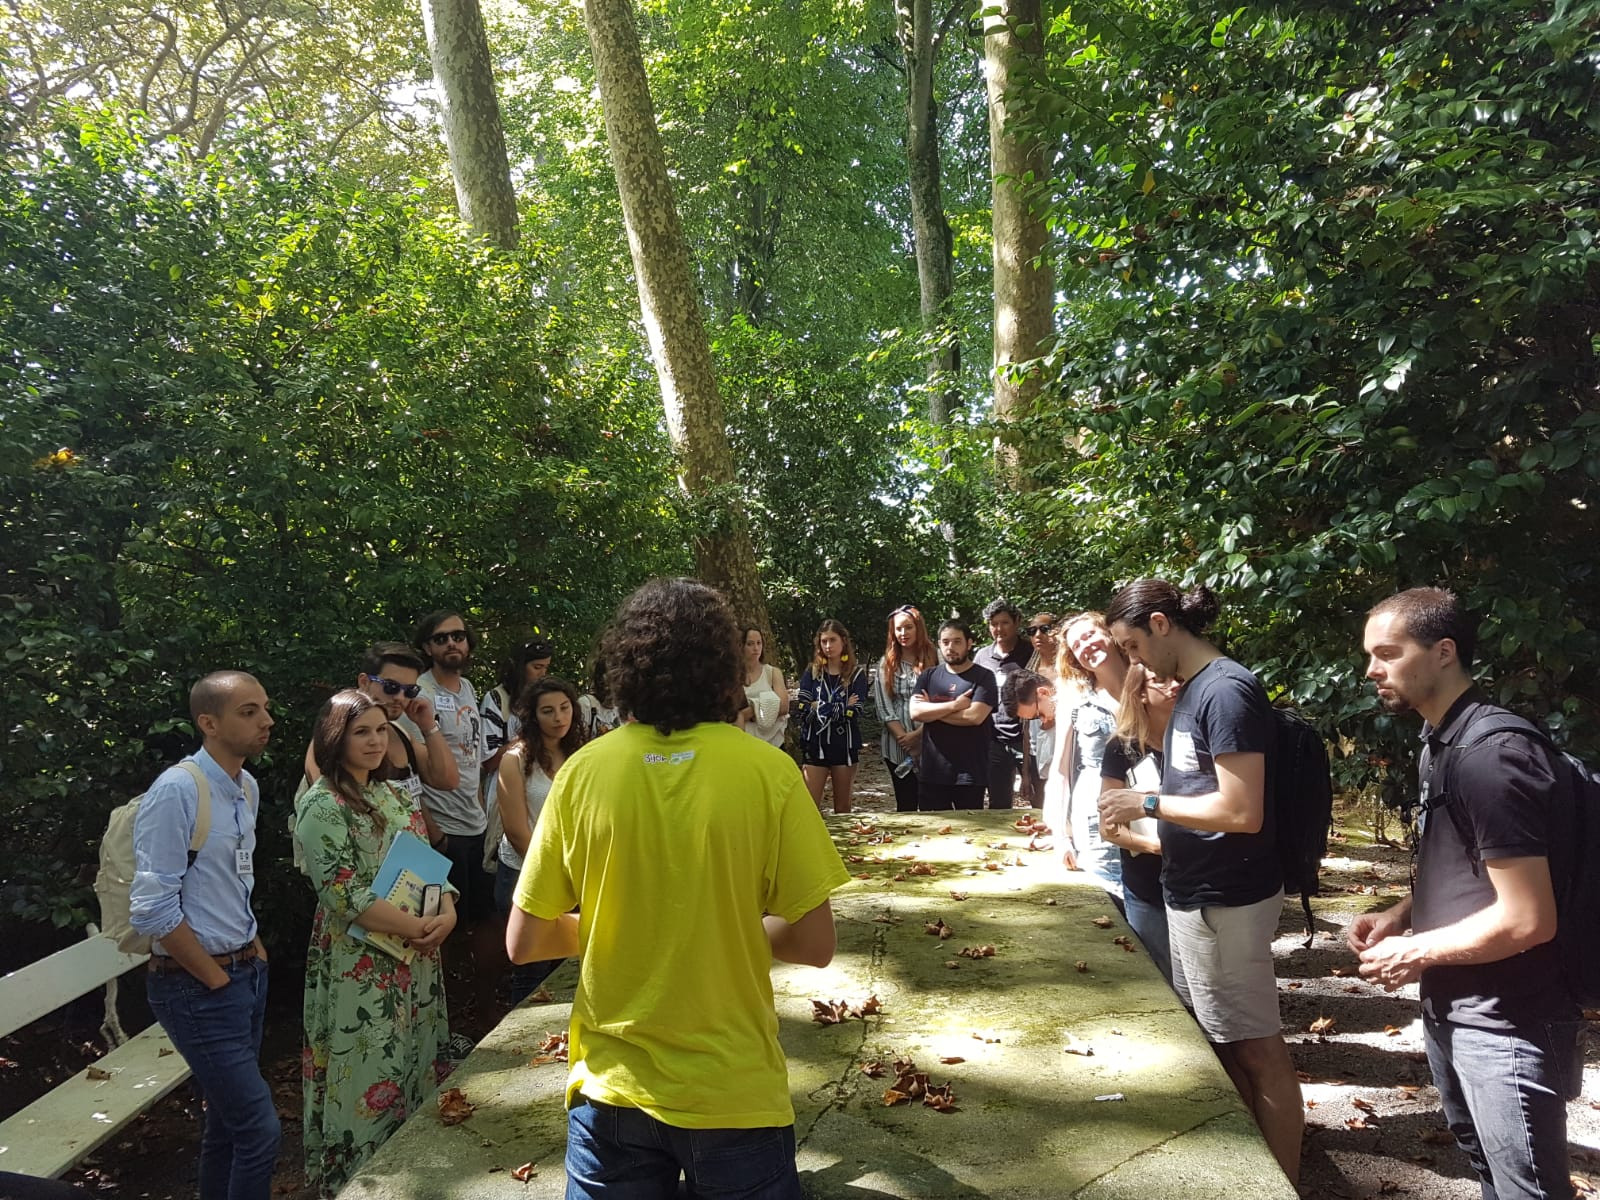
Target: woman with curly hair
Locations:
point(546, 713)
point(833, 690)
point(1090, 659)
point(375, 1024)
point(907, 653)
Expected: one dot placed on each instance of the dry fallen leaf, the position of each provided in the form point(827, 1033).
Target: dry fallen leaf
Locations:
point(1101, 922)
point(950, 1060)
point(542, 996)
point(991, 866)
point(1352, 989)
point(1081, 965)
point(886, 919)
point(97, 1073)
point(940, 1098)
point(1356, 1123)
point(1294, 984)
point(524, 1173)
point(892, 1097)
point(937, 929)
point(1080, 1051)
point(1126, 943)
point(1321, 1025)
point(855, 858)
point(1392, 1030)
point(454, 1107)
point(977, 952)
point(1311, 1103)
point(829, 1012)
point(923, 869)
point(1340, 971)
point(946, 828)
point(1051, 902)
point(1388, 1187)
point(873, 1069)
point(985, 1038)
point(1365, 1106)
point(953, 963)
point(900, 878)
point(958, 895)
point(163, 1052)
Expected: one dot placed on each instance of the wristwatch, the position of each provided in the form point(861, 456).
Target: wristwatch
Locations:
point(1152, 806)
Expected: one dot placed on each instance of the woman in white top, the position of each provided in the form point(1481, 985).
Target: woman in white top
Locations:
point(766, 709)
point(1096, 664)
point(550, 733)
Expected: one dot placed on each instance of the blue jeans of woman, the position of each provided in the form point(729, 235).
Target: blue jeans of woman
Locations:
point(219, 1035)
point(624, 1154)
point(1149, 922)
point(522, 979)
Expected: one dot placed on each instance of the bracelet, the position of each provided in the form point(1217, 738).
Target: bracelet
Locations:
point(428, 733)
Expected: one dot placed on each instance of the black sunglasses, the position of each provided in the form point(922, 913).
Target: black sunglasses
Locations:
point(409, 690)
point(1036, 630)
point(451, 635)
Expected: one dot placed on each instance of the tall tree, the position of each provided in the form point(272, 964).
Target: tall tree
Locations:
point(921, 34)
point(670, 304)
point(473, 132)
point(1013, 47)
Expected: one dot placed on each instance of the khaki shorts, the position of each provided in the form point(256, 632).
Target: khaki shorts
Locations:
point(1222, 968)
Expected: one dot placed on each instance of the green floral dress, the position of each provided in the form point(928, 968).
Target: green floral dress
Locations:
point(375, 1026)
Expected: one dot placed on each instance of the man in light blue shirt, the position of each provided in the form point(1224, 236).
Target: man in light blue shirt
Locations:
point(208, 970)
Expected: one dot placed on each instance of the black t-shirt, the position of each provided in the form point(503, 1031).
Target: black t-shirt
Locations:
point(1222, 710)
point(956, 754)
point(1007, 728)
point(1503, 789)
point(1141, 873)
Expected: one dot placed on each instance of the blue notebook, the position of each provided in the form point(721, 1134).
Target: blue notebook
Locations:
point(410, 856)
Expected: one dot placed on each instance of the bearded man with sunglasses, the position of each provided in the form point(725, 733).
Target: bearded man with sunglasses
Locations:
point(445, 641)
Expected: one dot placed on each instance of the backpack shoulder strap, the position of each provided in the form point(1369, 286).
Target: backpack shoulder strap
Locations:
point(202, 809)
point(1483, 726)
point(405, 744)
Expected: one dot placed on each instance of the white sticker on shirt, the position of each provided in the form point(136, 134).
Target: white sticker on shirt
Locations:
point(1184, 757)
point(242, 861)
point(413, 784)
point(443, 702)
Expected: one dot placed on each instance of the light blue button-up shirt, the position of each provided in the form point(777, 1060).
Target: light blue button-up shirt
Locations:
point(212, 895)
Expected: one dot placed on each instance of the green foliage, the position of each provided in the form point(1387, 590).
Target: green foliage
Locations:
point(259, 419)
point(1332, 287)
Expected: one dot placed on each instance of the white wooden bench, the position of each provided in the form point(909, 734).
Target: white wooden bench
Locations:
point(81, 1114)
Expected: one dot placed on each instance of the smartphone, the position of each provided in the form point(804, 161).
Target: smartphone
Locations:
point(430, 899)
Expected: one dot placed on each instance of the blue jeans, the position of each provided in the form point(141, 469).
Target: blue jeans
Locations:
point(219, 1035)
point(1505, 1098)
point(624, 1154)
point(1149, 922)
point(521, 979)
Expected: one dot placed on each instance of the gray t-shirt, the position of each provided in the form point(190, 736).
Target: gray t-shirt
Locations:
point(458, 812)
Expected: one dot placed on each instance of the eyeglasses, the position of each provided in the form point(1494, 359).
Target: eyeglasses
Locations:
point(409, 690)
point(1036, 630)
point(449, 635)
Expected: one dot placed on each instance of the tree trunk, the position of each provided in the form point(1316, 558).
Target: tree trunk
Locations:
point(473, 134)
point(919, 40)
point(673, 322)
point(1023, 281)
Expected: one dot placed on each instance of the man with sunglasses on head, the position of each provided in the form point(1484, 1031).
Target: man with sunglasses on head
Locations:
point(445, 641)
point(418, 753)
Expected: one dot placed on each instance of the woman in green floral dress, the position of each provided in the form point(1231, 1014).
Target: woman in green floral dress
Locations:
point(375, 1025)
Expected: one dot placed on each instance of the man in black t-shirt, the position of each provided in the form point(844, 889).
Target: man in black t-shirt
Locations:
point(1220, 871)
point(953, 701)
point(1008, 652)
point(1500, 1025)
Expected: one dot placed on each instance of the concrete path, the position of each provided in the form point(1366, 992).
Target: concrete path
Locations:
point(1090, 1083)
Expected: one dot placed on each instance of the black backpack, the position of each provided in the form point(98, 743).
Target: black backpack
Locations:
point(1574, 849)
point(1302, 799)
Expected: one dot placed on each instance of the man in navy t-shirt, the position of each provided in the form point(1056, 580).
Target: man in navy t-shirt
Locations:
point(1220, 874)
point(953, 701)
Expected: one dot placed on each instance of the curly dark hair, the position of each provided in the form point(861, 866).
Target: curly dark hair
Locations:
point(671, 656)
point(526, 710)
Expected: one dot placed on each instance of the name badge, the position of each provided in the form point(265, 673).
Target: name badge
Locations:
point(413, 784)
point(242, 861)
point(444, 702)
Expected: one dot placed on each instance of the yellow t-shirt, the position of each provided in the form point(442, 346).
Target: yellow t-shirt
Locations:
point(674, 847)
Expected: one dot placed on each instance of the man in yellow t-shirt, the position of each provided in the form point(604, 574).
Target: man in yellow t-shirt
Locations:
point(695, 857)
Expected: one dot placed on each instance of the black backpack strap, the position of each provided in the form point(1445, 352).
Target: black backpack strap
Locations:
point(1485, 725)
point(411, 754)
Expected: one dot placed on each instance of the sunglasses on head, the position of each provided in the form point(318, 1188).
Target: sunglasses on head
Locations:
point(449, 635)
point(409, 690)
point(1036, 630)
point(908, 609)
